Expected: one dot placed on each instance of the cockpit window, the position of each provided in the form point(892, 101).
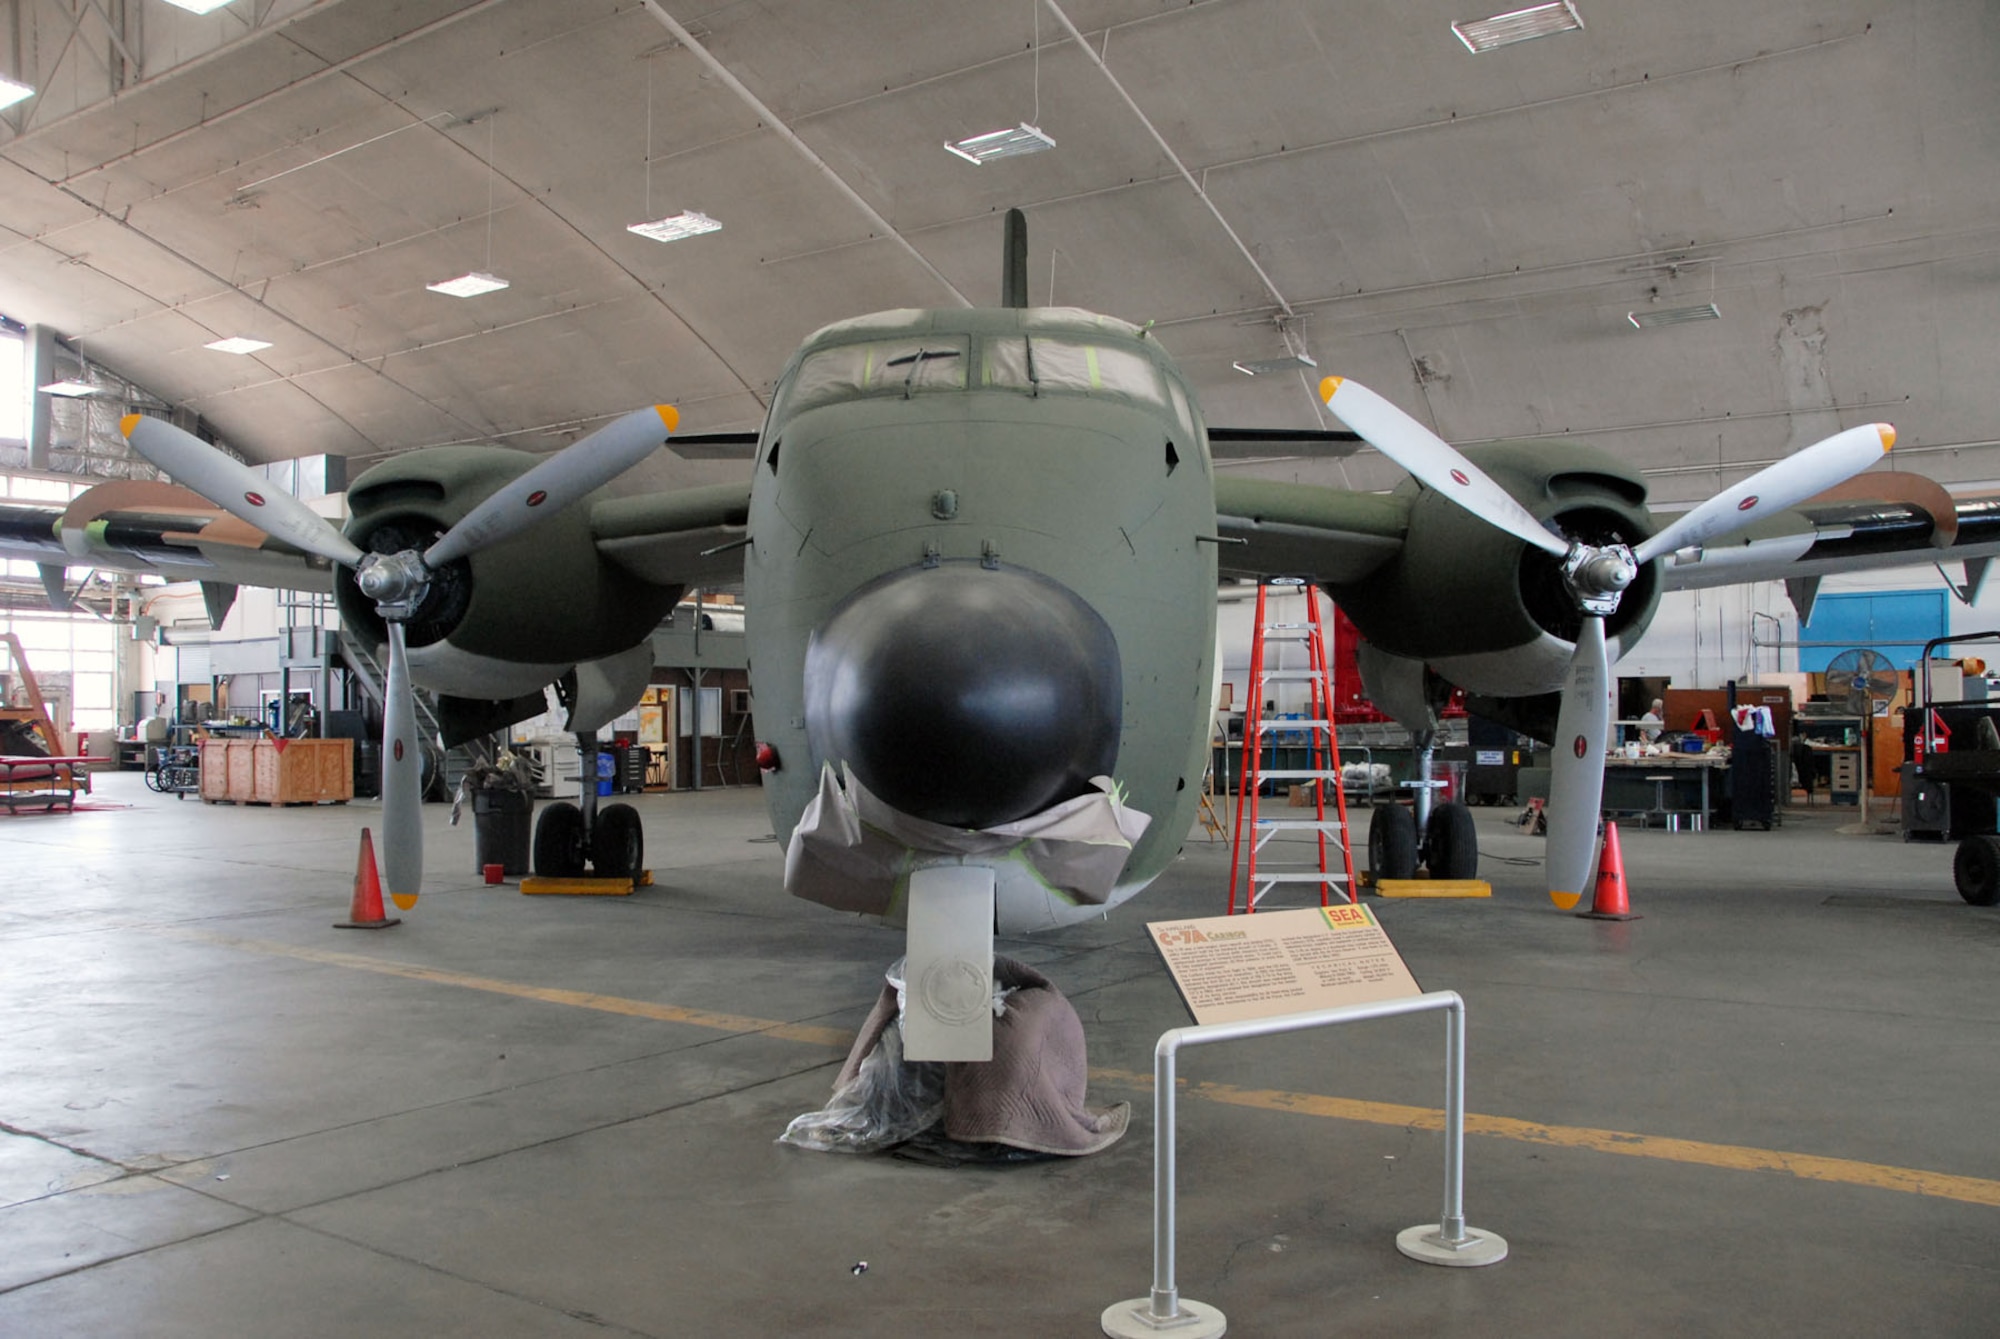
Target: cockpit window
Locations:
point(1037, 363)
point(902, 366)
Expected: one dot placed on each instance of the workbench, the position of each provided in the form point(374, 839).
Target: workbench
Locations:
point(1689, 791)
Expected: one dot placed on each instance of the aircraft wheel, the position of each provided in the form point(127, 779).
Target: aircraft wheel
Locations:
point(559, 841)
point(618, 847)
point(1451, 845)
point(1392, 842)
point(1976, 870)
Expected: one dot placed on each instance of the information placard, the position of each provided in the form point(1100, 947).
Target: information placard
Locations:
point(1229, 968)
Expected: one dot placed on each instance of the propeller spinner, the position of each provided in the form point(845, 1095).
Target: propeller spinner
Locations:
point(1597, 576)
point(397, 582)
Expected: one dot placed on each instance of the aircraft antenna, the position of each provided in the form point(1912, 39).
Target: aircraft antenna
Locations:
point(1014, 264)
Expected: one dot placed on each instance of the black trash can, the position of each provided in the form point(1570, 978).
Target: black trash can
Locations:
point(500, 829)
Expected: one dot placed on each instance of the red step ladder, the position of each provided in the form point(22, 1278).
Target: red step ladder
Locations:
point(1322, 772)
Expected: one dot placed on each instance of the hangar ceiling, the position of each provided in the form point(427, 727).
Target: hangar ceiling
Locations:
point(1465, 233)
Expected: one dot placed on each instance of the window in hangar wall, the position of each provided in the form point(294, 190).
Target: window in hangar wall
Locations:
point(75, 647)
point(1874, 619)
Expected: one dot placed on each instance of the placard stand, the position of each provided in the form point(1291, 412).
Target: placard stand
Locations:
point(1447, 1242)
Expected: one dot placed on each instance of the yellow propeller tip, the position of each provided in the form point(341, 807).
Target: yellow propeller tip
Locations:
point(668, 415)
point(1328, 385)
point(1888, 435)
point(1563, 901)
point(403, 901)
point(129, 423)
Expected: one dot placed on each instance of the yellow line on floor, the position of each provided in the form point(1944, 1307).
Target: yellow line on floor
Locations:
point(576, 999)
point(1807, 1166)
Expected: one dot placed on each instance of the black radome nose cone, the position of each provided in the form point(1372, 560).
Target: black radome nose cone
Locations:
point(965, 695)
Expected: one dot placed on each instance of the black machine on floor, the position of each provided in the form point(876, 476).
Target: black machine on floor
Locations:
point(1951, 778)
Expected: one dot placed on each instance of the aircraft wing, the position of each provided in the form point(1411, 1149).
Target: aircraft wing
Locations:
point(687, 537)
point(1330, 534)
point(1874, 521)
point(130, 525)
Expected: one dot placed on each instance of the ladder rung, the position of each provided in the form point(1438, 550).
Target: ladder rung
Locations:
point(1291, 675)
point(1287, 627)
point(1301, 824)
point(1286, 723)
point(1295, 774)
point(1313, 877)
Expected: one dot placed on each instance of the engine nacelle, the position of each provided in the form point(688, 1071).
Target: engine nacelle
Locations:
point(1490, 612)
point(510, 612)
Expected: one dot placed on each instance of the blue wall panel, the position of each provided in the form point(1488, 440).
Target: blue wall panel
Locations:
point(1870, 618)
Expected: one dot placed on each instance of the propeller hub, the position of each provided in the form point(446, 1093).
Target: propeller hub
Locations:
point(395, 581)
point(1599, 576)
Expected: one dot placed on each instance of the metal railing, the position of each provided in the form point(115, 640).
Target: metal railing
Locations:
point(1446, 1242)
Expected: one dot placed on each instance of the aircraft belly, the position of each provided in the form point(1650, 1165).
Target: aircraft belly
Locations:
point(1520, 671)
point(443, 668)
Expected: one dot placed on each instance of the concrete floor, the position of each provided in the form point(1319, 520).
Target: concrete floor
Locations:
point(1766, 1108)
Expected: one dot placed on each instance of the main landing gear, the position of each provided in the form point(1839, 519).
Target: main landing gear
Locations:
point(572, 839)
point(1441, 838)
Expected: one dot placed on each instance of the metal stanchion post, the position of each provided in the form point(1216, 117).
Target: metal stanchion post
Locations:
point(1449, 1241)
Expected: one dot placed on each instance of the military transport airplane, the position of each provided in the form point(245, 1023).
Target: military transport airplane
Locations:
point(980, 551)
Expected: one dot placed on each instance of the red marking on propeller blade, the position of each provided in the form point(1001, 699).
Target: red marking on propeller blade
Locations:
point(1747, 503)
point(1580, 747)
point(254, 499)
point(399, 749)
point(1458, 477)
point(537, 498)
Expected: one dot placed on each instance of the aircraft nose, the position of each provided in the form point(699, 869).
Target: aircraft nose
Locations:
point(966, 695)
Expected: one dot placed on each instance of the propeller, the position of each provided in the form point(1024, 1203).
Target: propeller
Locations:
point(1597, 576)
point(398, 582)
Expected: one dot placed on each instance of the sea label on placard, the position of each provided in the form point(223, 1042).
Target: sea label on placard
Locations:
point(1229, 968)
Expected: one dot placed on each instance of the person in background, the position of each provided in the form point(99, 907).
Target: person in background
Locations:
point(1652, 722)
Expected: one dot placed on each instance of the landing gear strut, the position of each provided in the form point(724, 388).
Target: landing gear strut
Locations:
point(571, 839)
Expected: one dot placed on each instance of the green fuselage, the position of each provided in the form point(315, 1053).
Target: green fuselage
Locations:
point(1059, 444)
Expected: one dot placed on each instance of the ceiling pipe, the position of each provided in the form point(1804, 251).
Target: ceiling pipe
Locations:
point(1172, 157)
point(785, 132)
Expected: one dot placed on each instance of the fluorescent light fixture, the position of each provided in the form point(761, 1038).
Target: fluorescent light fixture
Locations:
point(198, 6)
point(469, 285)
point(12, 92)
point(1518, 26)
point(1266, 367)
point(238, 344)
point(1653, 317)
point(1023, 138)
point(676, 227)
point(72, 388)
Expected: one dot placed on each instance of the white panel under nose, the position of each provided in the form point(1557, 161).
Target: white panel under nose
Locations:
point(948, 1006)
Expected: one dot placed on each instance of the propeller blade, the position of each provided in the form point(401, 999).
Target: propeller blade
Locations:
point(1775, 487)
point(236, 488)
point(1435, 462)
point(1576, 781)
point(402, 780)
point(578, 468)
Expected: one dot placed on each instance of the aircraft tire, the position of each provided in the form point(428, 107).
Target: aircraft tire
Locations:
point(618, 847)
point(1392, 842)
point(559, 841)
point(1451, 846)
point(1976, 869)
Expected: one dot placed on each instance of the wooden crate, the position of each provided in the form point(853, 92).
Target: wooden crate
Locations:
point(277, 771)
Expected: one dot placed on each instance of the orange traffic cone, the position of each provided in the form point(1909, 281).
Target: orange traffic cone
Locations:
point(366, 913)
point(1609, 902)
